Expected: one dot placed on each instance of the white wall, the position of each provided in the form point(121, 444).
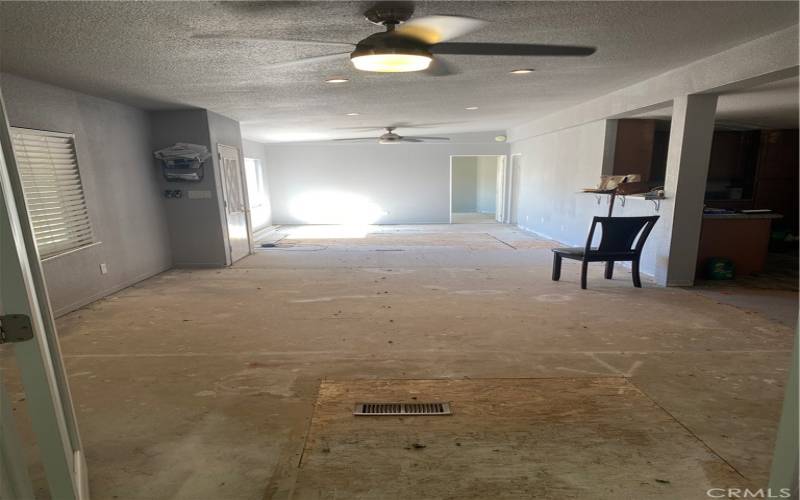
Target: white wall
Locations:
point(325, 183)
point(554, 168)
point(258, 186)
point(486, 191)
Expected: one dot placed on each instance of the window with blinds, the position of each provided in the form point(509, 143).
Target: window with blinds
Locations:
point(53, 191)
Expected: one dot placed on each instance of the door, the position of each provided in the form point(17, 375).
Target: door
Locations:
point(27, 326)
point(235, 198)
point(515, 181)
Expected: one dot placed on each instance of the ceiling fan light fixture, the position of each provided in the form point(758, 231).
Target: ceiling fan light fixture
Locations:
point(391, 61)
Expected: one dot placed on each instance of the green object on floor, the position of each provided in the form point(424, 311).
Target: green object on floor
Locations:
point(720, 268)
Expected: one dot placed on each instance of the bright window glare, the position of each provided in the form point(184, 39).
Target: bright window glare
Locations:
point(335, 207)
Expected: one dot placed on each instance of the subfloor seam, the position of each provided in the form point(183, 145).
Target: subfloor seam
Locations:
point(690, 431)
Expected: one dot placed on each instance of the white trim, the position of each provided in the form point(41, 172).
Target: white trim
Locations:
point(71, 250)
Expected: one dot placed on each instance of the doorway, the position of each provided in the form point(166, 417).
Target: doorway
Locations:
point(476, 186)
point(236, 211)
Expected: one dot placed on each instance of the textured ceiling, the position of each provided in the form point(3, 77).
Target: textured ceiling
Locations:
point(145, 54)
point(772, 105)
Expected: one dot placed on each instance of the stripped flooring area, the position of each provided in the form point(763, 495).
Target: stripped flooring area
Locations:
point(202, 384)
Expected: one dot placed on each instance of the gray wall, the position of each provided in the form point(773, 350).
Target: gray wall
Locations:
point(465, 183)
point(486, 191)
point(399, 183)
point(260, 209)
point(197, 225)
point(554, 168)
point(121, 186)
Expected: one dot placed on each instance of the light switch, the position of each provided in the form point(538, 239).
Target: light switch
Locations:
point(103, 268)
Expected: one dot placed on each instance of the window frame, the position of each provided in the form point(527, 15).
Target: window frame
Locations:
point(79, 244)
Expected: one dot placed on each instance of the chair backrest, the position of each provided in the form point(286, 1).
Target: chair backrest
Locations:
point(619, 234)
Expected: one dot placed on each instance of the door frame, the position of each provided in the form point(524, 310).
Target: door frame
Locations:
point(513, 197)
point(245, 199)
point(497, 201)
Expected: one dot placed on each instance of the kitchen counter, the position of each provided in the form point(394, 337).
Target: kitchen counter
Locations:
point(742, 238)
point(738, 216)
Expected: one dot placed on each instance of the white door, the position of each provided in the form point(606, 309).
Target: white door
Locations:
point(236, 211)
point(515, 180)
point(28, 328)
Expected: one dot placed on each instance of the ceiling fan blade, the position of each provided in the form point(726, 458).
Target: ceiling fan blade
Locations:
point(260, 38)
point(511, 49)
point(440, 67)
point(306, 60)
point(435, 29)
point(410, 139)
point(422, 138)
point(357, 139)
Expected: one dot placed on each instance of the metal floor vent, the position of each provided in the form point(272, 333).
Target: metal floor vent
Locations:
point(403, 409)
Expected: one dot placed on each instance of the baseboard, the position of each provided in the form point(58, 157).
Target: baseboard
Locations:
point(106, 292)
point(199, 265)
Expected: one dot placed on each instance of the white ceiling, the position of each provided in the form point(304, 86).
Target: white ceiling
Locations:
point(771, 106)
point(144, 54)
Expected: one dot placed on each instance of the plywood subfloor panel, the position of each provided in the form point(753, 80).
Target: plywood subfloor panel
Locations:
point(590, 438)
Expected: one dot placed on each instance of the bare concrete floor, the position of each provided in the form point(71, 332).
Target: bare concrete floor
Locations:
point(201, 384)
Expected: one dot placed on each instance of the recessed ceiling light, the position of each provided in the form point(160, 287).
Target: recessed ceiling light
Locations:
point(522, 71)
point(500, 138)
point(471, 108)
point(353, 114)
point(337, 80)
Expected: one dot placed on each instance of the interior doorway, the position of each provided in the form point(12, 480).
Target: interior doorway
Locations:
point(233, 190)
point(476, 188)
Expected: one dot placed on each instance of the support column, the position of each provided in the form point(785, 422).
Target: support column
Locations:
point(689, 152)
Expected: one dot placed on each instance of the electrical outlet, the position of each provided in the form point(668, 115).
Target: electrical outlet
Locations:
point(103, 268)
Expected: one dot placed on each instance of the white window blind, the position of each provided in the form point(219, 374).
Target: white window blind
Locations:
point(53, 191)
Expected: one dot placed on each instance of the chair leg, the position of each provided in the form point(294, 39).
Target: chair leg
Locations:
point(635, 274)
point(556, 267)
point(584, 270)
point(610, 270)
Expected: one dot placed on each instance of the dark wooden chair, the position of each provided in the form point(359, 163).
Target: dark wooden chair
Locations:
point(618, 243)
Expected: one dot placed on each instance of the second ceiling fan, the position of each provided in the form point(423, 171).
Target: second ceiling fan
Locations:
point(413, 44)
point(391, 138)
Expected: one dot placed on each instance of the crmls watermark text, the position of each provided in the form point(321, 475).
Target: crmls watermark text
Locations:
point(748, 493)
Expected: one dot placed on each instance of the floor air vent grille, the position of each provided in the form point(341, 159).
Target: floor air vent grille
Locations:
point(402, 409)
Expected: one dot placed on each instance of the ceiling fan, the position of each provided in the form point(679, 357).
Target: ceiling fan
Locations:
point(391, 138)
point(415, 44)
